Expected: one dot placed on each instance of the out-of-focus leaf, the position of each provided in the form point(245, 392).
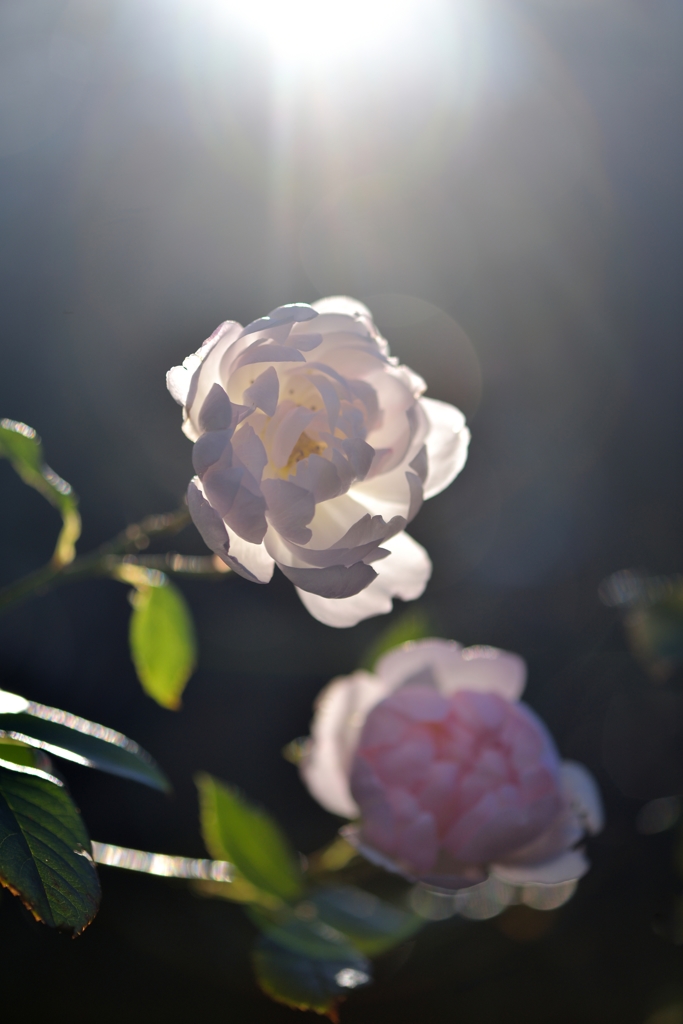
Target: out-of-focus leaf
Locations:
point(21, 445)
point(653, 617)
point(655, 632)
point(17, 753)
point(307, 983)
point(45, 853)
point(162, 642)
point(411, 625)
point(333, 857)
point(234, 829)
point(237, 890)
point(371, 924)
point(76, 739)
point(301, 930)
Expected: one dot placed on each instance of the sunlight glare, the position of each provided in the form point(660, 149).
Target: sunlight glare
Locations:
point(340, 27)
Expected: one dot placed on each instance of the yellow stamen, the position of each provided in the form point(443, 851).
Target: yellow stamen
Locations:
point(304, 447)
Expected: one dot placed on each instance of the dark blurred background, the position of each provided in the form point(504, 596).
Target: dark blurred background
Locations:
point(501, 183)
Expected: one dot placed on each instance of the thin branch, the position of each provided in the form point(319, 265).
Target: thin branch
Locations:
point(104, 559)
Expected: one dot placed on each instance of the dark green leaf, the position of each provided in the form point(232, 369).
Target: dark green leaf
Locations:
point(76, 739)
point(162, 643)
point(21, 445)
point(237, 831)
point(306, 983)
point(411, 625)
point(372, 925)
point(45, 855)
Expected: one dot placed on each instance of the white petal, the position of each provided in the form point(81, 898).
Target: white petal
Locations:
point(333, 519)
point(414, 657)
point(583, 794)
point(387, 495)
point(403, 574)
point(264, 392)
point(404, 426)
point(290, 509)
point(340, 713)
point(179, 378)
point(208, 372)
point(547, 897)
point(291, 313)
point(213, 530)
point(337, 582)
point(178, 381)
point(447, 444)
point(486, 669)
point(490, 670)
point(252, 557)
point(561, 835)
point(343, 304)
point(566, 868)
point(289, 429)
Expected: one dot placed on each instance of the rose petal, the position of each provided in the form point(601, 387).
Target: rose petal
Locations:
point(210, 525)
point(447, 443)
point(247, 513)
point(388, 494)
point(249, 560)
point(419, 704)
point(319, 476)
point(216, 410)
point(287, 432)
point(264, 392)
point(489, 669)
point(566, 868)
point(259, 353)
point(583, 794)
point(401, 663)
point(403, 574)
point(343, 305)
point(290, 508)
point(335, 582)
point(340, 712)
point(291, 313)
point(209, 448)
point(305, 342)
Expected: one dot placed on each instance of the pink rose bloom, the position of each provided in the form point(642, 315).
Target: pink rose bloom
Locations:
point(450, 777)
point(313, 451)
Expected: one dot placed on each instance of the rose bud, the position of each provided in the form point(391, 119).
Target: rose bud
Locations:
point(451, 778)
point(314, 449)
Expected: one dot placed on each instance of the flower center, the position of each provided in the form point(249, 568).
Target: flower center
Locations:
point(304, 447)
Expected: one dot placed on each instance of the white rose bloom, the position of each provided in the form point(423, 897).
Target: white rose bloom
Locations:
point(314, 449)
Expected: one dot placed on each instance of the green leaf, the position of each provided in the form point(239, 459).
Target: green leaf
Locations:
point(17, 753)
point(300, 930)
point(76, 739)
point(21, 445)
point(307, 983)
point(655, 632)
point(162, 642)
point(237, 890)
point(235, 830)
point(45, 855)
point(372, 925)
point(411, 625)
